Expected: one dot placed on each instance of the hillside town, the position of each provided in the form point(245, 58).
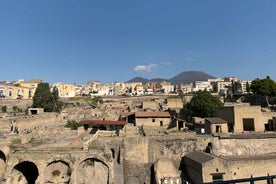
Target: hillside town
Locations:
point(25, 89)
point(137, 132)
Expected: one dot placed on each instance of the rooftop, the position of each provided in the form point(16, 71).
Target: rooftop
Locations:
point(215, 120)
point(104, 122)
point(152, 114)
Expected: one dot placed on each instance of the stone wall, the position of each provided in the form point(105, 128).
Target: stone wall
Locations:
point(238, 167)
point(125, 159)
point(60, 167)
point(235, 116)
point(20, 104)
point(244, 147)
point(140, 153)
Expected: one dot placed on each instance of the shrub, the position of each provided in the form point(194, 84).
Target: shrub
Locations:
point(73, 124)
point(56, 172)
point(4, 109)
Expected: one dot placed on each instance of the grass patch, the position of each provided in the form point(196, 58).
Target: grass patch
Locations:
point(16, 141)
point(56, 173)
point(89, 163)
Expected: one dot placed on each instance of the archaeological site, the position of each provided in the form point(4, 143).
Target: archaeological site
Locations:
point(135, 140)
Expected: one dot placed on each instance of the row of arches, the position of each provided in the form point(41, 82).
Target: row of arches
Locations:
point(89, 171)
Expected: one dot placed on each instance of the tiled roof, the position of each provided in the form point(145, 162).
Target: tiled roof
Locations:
point(153, 114)
point(104, 122)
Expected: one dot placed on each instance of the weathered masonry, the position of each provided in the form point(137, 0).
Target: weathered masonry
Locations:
point(58, 166)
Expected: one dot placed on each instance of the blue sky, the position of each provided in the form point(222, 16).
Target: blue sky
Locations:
point(73, 41)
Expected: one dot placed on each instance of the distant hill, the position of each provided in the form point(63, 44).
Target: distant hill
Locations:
point(158, 80)
point(181, 78)
point(190, 77)
point(138, 79)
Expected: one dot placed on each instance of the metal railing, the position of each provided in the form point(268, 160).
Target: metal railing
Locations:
point(269, 180)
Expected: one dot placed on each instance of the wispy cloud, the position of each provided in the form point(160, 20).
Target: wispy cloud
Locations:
point(146, 68)
point(166, 63)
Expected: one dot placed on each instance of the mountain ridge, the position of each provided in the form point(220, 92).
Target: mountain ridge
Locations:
point(184, 77)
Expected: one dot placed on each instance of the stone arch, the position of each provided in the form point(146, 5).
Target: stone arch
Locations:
point(25, 173)
point(3, 156)
point(3, 161)
point(57, 172)
point(93, 171)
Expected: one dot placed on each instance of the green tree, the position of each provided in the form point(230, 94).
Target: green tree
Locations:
point(203, 104)
point(264, 87)
point(4, 109)
point(247, 87)
point(43, 98)
point(57, 104)
point(73, 124)
point(215, 87)
point(236, 88)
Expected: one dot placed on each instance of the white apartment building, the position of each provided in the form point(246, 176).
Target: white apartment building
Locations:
point(202, 85)
point(167, 87)
point(223, 87)
point(103, 90)
point(185, 88)
point(243, 85)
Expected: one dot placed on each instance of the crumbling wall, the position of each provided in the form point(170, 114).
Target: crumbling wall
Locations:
point(141, 153)
point(20, 104)
point(244, 147)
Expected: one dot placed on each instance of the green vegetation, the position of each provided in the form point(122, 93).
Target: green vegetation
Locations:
point(16, 141)
point(56, 173)
point(236, 88)
point(96, 100)
point(264, 87)
point(73, 124)
point(247, 87)
point(26, 111)
point(124, 95)
point(80, 98)
point(89, 162)
point(43, 98)
point(88, 99)
point(176, 96)
point(16, 109)
point(203, 104)
point(4, 109)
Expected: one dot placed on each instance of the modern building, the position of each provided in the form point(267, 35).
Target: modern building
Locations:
point(202, 85)
point(167, 87)
point(10, 91)
point(66, 90)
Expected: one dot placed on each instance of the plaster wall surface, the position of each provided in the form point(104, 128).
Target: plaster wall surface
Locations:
point(152, 121)
point(239, 167)
point(244, 147)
